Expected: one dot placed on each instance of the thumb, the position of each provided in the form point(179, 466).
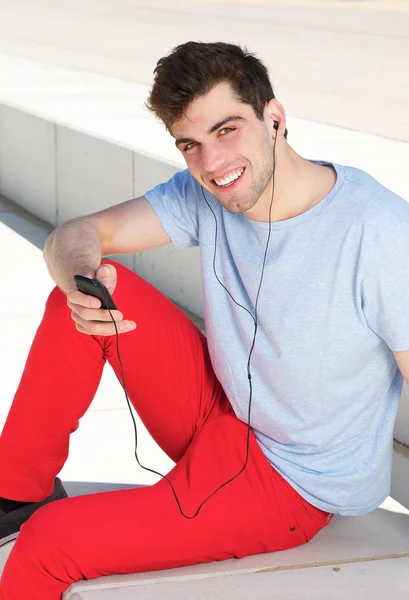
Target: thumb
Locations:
point(73, 287)
point(106, 274)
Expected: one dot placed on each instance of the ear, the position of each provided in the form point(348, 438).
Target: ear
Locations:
point(274, 111)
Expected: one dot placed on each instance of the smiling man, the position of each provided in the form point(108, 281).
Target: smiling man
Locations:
point(232, 158)
point(283, 414)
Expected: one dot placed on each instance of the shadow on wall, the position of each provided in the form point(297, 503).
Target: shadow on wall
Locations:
point(31, 228)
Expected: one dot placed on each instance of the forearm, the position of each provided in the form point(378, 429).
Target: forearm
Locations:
point(73, 248)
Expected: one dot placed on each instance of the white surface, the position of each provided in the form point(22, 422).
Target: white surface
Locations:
point(375, 579)
point(146, 171)
point(113, 109)
point(360, 581)
point(175, 272)
point(27, 161)
point(333, 61)
point(92, 174)
point(107, 107)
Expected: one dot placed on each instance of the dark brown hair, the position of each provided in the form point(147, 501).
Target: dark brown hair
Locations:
point(194, 68)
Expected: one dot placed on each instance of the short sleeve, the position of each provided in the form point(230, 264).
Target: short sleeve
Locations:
point(386, 288)
point(176, 205)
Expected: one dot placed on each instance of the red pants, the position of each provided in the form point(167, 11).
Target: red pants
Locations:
point(171, 383)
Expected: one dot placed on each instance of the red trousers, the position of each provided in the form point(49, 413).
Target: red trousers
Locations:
point(171, 383)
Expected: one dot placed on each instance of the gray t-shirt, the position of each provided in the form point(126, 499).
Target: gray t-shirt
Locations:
point(334, 304)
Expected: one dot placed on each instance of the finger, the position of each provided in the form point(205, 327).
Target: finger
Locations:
point(90, 274)
point(107, 275)
point(95, 314)
point(77, 297)
point(104, 329)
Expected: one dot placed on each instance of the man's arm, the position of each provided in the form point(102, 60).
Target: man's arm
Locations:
point(78, 245)
point(402, 358)
point(130, 227)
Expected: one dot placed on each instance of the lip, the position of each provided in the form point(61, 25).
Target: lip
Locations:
point(233, 185)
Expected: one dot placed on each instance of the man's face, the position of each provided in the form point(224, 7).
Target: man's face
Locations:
point(221, 139)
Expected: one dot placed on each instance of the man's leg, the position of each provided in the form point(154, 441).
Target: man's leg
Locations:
point(138, 530)
point(168, 375)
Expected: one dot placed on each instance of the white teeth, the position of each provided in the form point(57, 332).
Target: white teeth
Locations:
point(231, 177)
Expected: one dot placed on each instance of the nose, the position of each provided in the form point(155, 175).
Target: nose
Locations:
point(213, 158)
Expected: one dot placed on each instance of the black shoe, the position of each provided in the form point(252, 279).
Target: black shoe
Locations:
point(11, 522)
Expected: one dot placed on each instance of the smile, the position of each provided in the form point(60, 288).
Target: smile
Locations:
point(229, 179)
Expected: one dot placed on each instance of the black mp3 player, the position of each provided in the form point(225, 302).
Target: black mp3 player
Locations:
point(93, 287)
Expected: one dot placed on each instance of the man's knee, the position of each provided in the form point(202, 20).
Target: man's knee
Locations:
point(43, 540)
point(43, 527)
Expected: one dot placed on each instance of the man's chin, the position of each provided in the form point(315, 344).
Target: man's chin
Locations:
point(234, 206)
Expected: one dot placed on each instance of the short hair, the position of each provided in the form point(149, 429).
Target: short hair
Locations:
point(194, 68)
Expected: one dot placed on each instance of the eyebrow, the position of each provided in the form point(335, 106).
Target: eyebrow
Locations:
point(212, 129)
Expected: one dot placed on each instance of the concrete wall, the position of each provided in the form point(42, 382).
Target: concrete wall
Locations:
point(58, 172)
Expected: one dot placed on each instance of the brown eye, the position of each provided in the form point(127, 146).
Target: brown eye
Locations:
point(189, 146)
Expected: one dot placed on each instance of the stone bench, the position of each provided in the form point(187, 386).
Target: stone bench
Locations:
point(359, 554)
point(346, 548)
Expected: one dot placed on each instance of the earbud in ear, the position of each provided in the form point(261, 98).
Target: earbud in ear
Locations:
point(276, 124)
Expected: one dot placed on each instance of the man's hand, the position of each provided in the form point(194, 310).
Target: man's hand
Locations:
point(86, 312)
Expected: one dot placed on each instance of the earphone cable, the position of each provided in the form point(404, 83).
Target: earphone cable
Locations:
point(248, 361)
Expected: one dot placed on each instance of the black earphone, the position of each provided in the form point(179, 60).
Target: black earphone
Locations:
point(107, 303)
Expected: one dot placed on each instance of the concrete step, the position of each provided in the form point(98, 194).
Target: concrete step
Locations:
point(346, 542)
point(358, 581)
point(358, 548)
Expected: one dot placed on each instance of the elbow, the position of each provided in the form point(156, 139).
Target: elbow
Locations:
point(47, 245)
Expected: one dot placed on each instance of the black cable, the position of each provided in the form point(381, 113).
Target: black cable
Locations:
point(248, 361)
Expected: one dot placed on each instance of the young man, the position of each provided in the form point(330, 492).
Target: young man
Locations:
point(325, 385)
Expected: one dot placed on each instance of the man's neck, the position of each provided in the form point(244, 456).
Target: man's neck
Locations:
point(299, 185)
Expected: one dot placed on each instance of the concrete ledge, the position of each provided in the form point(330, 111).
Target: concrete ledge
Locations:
point(91, 174)
point(346, 540)
point(353, 545)
point(27, 162)
point(359, 581)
